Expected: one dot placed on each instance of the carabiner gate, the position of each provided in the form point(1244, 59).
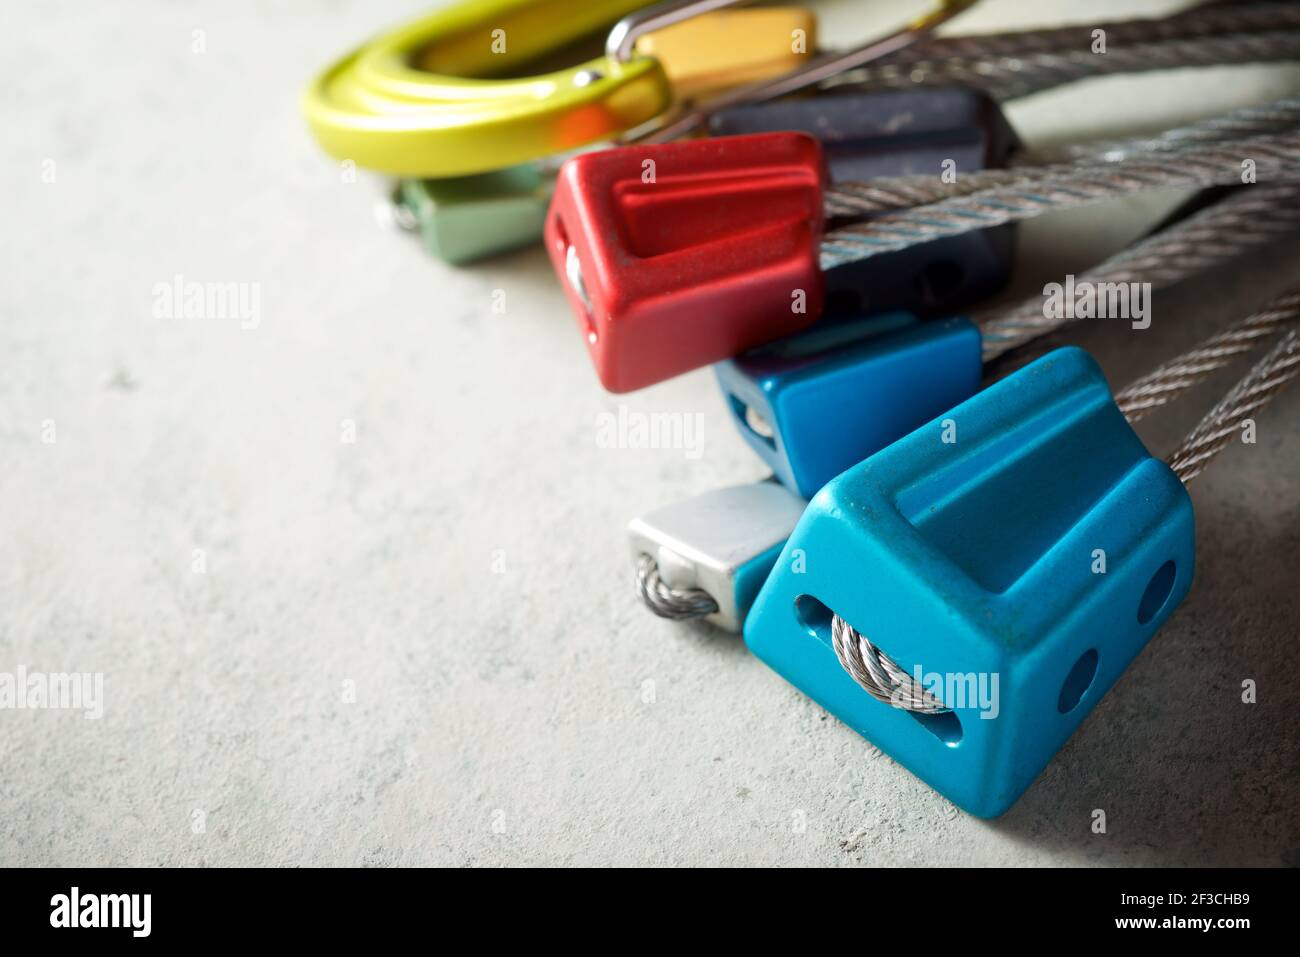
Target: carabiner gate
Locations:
point(430, 99)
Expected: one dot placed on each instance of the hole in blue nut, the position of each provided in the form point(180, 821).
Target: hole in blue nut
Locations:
point(815, 617)
point(1157, 592)
point(752, 421)
point(1078, 681)
point(945, 726)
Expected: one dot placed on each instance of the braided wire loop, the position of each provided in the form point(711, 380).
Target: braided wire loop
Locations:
point(1171, 379)
point(1010, 77)
point(888, 193)
point(678, 604)
point(1276, 117)
point(1058, 167)
point(1250, 218)
point(877, 673)
point(1275, 157)
point(1019, 63)
point(1206, 21)
point(1223, 422)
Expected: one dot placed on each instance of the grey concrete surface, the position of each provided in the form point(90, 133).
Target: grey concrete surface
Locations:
point(422, 647)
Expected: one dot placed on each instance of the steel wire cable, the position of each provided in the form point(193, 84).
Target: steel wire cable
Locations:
point(878, 674)
point(666, 601)
point(1254, 391)
point(1174, 377)
point(1275, 157)
point(1275, 117)
point(1019, 63)
point(1205, 21)
point(1249, 219)
point(1010, 77)
point(888, 193)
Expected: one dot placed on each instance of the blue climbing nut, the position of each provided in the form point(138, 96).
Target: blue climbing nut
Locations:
point(816, 403)
point(1013, 555)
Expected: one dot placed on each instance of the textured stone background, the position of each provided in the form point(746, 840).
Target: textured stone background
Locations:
point(498, 716)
